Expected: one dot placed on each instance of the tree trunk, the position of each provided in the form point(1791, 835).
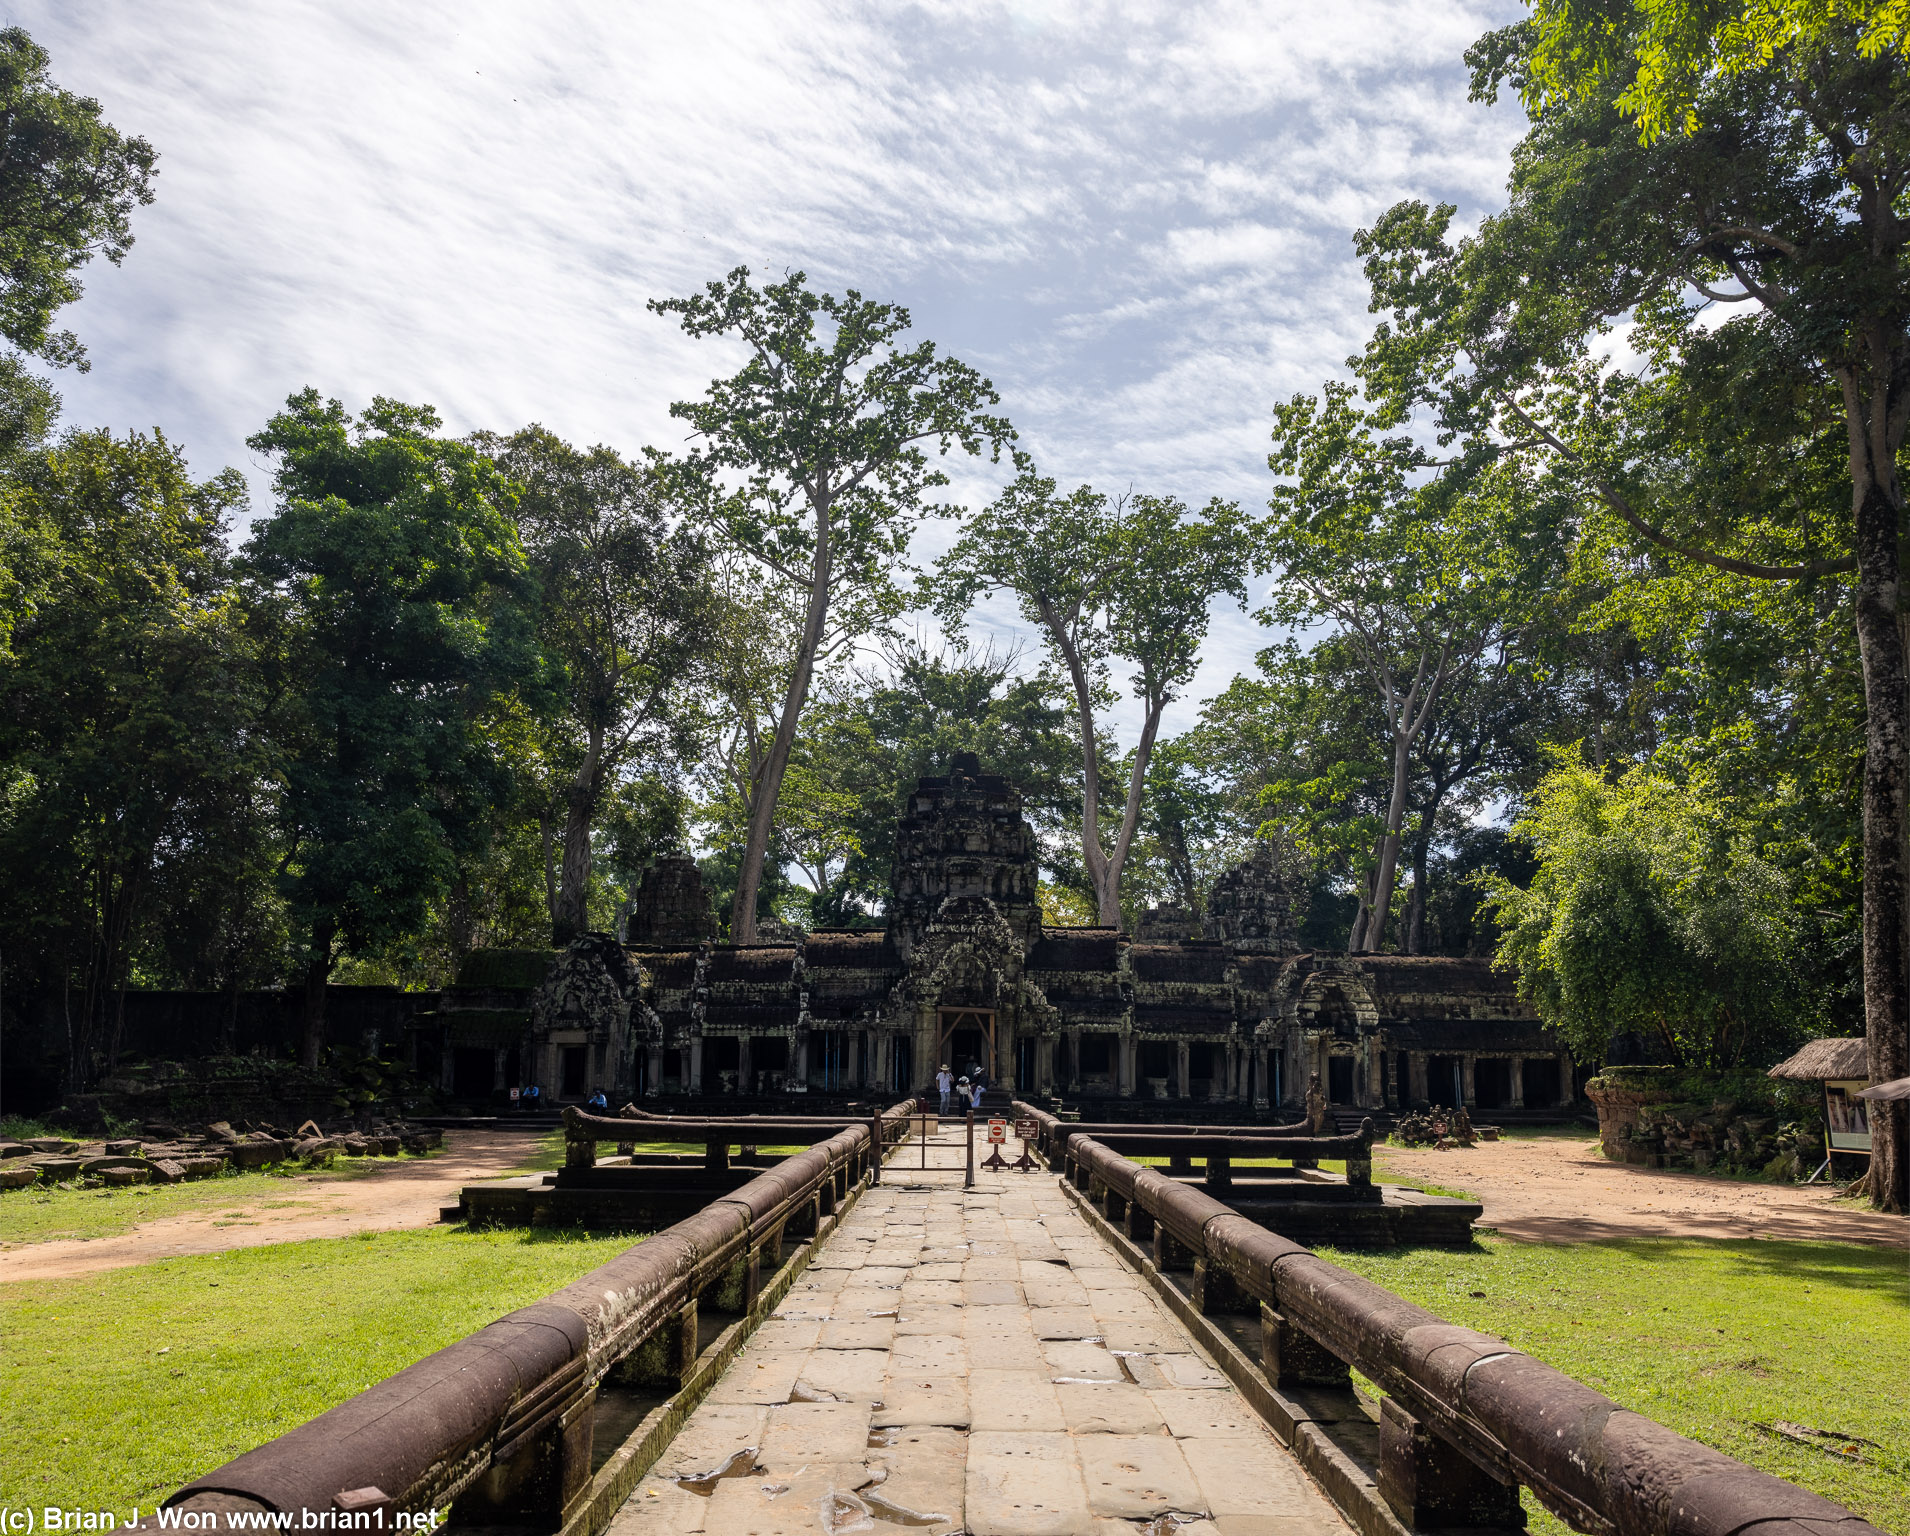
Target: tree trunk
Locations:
point(1093, 860)
point(762, 808)
point(318, 970)
point(1416, 905)
point(1389, 844)
point(547, 836)
point(1109, 891)
point(580, 812)
point(1886, 775)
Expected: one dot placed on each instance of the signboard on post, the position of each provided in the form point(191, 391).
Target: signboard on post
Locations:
point(997, 1131)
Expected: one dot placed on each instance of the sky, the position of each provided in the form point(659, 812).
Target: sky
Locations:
point(1137, 220)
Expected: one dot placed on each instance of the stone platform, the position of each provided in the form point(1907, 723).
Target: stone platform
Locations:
point(975, 1361)
point(1399, 1218)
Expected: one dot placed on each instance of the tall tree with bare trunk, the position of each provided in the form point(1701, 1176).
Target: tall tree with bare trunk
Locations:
point(810, 461)
point(1128, 578)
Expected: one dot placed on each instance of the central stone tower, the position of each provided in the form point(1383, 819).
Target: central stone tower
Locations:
point(963, 836)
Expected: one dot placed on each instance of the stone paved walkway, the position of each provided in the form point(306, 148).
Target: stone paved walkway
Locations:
point(973, 1361)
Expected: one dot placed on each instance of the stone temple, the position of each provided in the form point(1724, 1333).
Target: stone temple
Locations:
point(967, 971)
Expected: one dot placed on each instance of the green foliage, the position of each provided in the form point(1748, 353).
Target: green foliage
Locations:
point(1127, 579)
point(396, 598)
point(811, 465)
point(1650, 912)
point(68, 185)
point(624, 611)
point(128, 746)
point(1655, 63)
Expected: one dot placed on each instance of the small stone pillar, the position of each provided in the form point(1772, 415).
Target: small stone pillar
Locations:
point(1468, 1088)
point(1294, 1358)
point(693, 1063)
point(1416, 1077)
point(1183, 1067)
point(1263, 1059)
point(653, 1077)
point(1430, 1483)
point(1515, 1066)
point(1568, 1090)
point(745, 1076)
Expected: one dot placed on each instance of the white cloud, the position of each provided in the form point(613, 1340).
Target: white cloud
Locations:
point(1135, 218)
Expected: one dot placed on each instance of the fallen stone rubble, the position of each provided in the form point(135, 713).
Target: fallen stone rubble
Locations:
point(166, 1155)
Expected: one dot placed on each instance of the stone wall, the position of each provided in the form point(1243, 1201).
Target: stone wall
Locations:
point(1655, 1117)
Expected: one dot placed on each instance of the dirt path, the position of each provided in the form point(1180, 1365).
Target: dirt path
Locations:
point(407, 1194)
point(1559, 1189)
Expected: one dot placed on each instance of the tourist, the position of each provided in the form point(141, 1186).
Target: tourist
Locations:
point(961, 1087)
point(598, 1103)
point(944, 1082)
point(529, 1101)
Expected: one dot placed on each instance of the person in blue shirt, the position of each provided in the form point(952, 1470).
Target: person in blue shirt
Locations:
point(597, 1103)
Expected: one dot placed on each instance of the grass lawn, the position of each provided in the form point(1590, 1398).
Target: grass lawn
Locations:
point(116, 1388)
point(1707, 1337)
point(42, 1215)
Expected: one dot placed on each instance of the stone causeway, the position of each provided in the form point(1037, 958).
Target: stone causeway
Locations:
point(976, 1361)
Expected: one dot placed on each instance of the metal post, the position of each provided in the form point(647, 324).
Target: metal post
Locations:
point(968, 1181)
point(924, 1140)
point(875, 1147)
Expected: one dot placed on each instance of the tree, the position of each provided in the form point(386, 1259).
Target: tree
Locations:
point(1130, 578)
point(883, 728)
point(810, 463)
point(68, 185)
point(624, 610)
point(399, 608)
point(1681, 159)
point(1651, 913)
point(1420, 576)
point(128, 730)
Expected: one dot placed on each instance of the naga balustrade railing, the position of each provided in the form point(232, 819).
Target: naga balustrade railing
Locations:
point(499, 1425)
point(1466, 1419)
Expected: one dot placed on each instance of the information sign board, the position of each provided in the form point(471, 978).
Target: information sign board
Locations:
point(997, 1131)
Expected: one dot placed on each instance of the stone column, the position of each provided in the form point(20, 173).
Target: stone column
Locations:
point(1232, 1090)
point(1415, 1075)
point(1515, 1065)
point(693, 1063)
point(1073, 1078)
point(1468, 1089)
point(1183, 1067)
point(1128, 1055)
point(497, 1068)
point(1044, 1064)
point(745, 1067)
point(653, 1079)
point(1568, 1091)
point(801, 1063)
point(1263, 1087)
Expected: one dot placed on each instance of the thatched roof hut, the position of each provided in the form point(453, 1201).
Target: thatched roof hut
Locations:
point(1833, 1059)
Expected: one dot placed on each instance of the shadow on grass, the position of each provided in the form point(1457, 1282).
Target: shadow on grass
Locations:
point(1874, 1272)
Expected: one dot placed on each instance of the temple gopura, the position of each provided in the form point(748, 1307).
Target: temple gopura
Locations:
point(966, 972)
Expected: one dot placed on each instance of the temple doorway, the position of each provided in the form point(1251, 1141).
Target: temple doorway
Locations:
point(967, 1036)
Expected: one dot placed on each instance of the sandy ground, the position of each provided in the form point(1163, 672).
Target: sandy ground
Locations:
point(406, 1194)
point(1559, 1189)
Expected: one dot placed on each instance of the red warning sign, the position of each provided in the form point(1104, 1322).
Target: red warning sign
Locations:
point(997, 1131)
